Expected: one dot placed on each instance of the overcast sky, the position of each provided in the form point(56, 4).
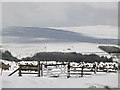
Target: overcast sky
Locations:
point(59, 14)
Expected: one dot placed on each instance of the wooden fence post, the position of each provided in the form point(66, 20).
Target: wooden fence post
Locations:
point(95, 68)
point(82, 70)
point(38, 68)
point(41, 67)
point(68, 74)
point(20, 70)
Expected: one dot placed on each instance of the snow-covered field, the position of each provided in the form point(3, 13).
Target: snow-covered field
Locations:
point(94, 81)
point(71, 39)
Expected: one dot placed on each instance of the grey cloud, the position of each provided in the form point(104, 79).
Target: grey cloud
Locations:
point(59, 14)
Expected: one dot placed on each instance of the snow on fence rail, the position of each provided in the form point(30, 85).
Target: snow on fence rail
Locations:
point(80, 70)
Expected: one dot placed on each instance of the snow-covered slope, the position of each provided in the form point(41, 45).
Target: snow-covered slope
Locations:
point(26, 41)
point(96, 34)
point(94, 31)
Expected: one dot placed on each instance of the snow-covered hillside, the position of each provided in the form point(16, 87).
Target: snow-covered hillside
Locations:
point(94, 31)
point(26, 41)
point(96, 34)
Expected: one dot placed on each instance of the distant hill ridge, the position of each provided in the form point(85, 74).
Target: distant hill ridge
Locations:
point(43, 35)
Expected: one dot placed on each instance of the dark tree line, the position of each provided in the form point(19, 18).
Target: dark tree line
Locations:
point(110, 49)
point(65, 57)
point(57, 56)
point(7, 56)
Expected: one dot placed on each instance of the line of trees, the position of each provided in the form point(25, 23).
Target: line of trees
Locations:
point(65, 57)
point(6, 55)
point(110, 49)
point(57, 56)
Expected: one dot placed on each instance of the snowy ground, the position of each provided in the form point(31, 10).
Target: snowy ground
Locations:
point(21, 50)
point(94, 81)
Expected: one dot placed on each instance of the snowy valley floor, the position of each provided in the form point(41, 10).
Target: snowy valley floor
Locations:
point(101, 80)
